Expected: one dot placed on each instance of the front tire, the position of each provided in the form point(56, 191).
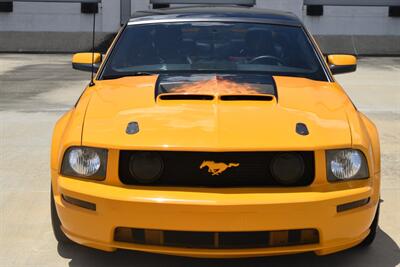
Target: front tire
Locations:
point(373, 229)
point(56, 223)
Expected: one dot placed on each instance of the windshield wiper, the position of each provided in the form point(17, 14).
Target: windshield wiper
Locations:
point(121, 75)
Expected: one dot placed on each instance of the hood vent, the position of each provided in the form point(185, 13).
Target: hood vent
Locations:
point(246, 98)
point(185, 97)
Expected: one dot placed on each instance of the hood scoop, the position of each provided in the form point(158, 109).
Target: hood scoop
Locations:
point(202, 97)
point(225, 87)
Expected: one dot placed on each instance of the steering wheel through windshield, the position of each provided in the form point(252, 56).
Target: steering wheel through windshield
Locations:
point(266, 58)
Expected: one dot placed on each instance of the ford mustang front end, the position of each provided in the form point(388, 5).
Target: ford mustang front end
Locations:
point(216, 136)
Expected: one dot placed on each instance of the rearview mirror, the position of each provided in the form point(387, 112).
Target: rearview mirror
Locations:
point(342, 63)
point(83, 61)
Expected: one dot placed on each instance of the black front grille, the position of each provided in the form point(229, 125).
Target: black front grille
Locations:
point(246, 169)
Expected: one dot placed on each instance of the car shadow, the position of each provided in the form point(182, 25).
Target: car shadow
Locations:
point(384, 252)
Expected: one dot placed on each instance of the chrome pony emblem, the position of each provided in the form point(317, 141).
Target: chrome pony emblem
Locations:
point(216, 168)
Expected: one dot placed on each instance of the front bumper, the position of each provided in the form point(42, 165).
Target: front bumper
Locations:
point(219, 210)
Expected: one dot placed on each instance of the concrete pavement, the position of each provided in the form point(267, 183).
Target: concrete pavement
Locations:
point(36, 89)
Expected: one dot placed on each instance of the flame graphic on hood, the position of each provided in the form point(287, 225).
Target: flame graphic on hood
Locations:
point(215, 86)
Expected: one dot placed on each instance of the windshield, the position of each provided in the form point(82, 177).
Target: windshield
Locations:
point(213, 47)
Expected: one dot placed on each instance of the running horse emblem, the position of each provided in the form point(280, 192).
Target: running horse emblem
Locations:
point(216, 168)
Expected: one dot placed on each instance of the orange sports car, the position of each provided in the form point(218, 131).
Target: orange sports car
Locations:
point(215, 132)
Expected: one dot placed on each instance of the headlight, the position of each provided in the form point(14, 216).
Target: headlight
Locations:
point(346, 164)
point(85, 162)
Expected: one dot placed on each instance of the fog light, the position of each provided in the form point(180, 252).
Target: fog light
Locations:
point(146, 167)
point(287, 168)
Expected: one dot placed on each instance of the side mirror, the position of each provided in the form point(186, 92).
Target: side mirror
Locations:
point(342, 63)
point(83, 61)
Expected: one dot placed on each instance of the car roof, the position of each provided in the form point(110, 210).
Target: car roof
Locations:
point(215, 13)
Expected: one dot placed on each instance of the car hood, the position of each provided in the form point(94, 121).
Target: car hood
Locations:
point(211, 124)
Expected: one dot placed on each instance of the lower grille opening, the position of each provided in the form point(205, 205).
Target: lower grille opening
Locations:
point(243, 239)
point(191, 239)
point(217, 240)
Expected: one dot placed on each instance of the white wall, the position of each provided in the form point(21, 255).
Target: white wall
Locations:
point(341, 20)
point(61, 27)
point(139, 5)
point(294, 6)
point(353, 21)
point(68, 18)
point(60, 17)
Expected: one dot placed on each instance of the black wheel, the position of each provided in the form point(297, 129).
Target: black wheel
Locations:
point(374, 227)
point(56, 223)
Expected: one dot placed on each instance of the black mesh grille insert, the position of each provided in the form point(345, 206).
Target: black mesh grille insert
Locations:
point(219, 169)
